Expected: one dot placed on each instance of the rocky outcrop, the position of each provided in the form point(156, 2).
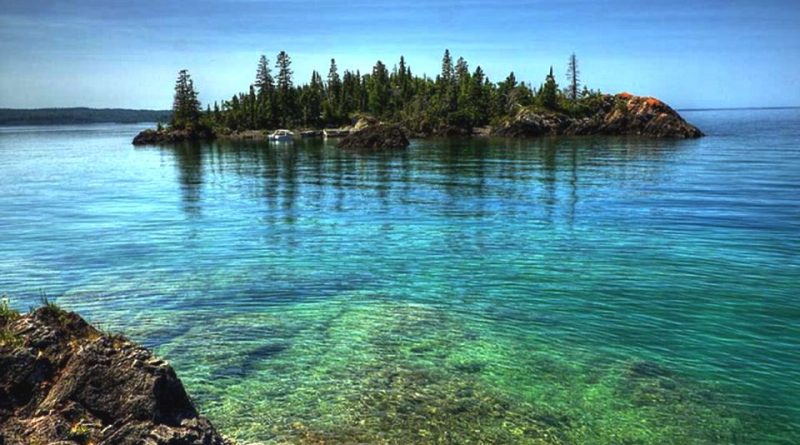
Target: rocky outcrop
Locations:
point(369, 134)
point(243, 135)
point(64, 382)
point(165, 136)
point(620, 115)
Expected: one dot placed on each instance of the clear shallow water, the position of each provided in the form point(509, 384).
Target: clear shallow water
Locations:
point(548, 291)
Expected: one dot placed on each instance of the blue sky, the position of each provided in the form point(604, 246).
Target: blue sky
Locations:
point(704, 53)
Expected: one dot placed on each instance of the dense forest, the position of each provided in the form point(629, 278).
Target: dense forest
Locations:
point(458, 99)
point(69, 116)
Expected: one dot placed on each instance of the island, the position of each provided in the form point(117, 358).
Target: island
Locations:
point(459, 101)
point(63, 381)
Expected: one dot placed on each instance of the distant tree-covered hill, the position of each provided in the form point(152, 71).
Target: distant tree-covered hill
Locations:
point(80, 115)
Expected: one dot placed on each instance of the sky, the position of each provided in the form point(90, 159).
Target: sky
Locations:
point(110, 53)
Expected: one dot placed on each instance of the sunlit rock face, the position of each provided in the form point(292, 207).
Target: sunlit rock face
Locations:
point(620, 115)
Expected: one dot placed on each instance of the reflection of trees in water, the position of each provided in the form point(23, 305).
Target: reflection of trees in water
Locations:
point(189, 162)
point(470, 172)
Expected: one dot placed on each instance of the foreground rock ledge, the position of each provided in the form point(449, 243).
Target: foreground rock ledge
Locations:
point(64, 382)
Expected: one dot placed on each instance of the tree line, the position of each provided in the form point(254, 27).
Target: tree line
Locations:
point(79, 115)
point(458, 97)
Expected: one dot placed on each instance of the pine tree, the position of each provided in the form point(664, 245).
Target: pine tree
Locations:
point(185, 105)
point(333, 100)
point(548, 94)
point(264, 81)
point(462, 72)
point(311, 101)
point(286, 105)
point(447, 67)
point(573, 79)
point(378, 90)
point(403, 79)
point(504, 102)
point(284, 63)
point(456, 97)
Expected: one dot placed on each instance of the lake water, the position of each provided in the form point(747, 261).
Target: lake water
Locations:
point(550, 291)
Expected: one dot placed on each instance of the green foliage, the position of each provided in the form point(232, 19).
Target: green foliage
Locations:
point(49, 304)
point(6, 313)
point(7, 338)
point(548, 94)
point(378, 90)
point(185, 106)
point(456, 97)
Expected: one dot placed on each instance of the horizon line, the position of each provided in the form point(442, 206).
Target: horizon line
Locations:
point(780, 107)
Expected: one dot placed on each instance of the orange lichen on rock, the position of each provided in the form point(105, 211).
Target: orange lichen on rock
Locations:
point(625, 95)
point(653, 101)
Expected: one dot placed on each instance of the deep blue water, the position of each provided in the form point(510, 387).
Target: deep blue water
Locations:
point(286, 282)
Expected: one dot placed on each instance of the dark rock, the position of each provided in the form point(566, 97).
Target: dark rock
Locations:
point(375, 136)
point(66, 382)
point(620, 115)
point(451, 131)
point(164, 136)
point(244, 135)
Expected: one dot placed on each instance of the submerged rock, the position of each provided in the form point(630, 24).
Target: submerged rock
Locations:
point(371, 134)
point(63, 381)
point(620, 115)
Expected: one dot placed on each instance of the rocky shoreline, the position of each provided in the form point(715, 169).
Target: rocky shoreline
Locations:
point(64, 382)
point(609, 115)
point(620, 115)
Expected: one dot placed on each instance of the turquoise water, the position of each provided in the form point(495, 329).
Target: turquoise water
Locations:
point(565, 291)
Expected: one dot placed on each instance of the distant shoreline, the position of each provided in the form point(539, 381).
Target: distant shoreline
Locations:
point(19, 117)
point(788, 107)
point(14, 117)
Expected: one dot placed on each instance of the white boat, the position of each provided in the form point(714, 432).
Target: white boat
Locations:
point(281, 136)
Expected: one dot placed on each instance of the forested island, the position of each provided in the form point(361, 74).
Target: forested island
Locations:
point(79, 116)
point(459, 101)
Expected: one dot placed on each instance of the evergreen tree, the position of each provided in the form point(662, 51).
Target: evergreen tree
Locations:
point(265, 108)
point(479, 98)
point(457, 97)
point(311, 101)
point(350, 93)
point(185, 105)
point(378, 90)
point(447, 67)
point(264, 81)
point(548, 94)
point(462, 72)
point(504, 99)
point(252, 108)
point(286, 105)
point(403, 80)
point(573, 79)
point(333, 106)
